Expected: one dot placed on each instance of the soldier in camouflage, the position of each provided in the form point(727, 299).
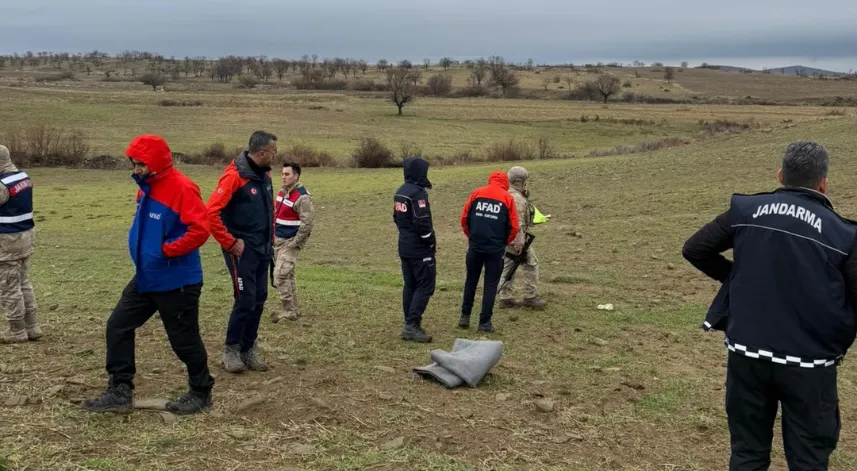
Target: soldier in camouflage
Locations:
point(529, 263)
point(17, 244)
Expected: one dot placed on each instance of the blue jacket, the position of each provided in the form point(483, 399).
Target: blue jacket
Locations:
point(169, 227)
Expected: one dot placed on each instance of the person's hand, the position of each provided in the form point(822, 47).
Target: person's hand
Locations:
point(237, 248)
point(519, 246)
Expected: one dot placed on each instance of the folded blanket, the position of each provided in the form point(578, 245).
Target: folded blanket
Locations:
point(469, 362)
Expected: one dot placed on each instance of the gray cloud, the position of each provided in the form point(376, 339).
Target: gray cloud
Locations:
point(549, 31)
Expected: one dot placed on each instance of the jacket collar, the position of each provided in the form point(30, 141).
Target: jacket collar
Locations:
point(245, 170)
point(814, 194)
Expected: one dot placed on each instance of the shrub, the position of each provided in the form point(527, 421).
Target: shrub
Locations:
point(643, 147)
point(439, 85)
point(546, 150)
point(512, 150)
point(472, 91)
point(305, 156)
point(179, 103)
point(371, 153)
point(248, 81)
point(46, 146)
point(724, 126)
point(366, 86)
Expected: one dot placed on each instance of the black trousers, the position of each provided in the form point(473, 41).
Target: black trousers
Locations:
point(419, 275)
point(250, 290)
point(810, 413)
point(179, 310)
point(493, 263)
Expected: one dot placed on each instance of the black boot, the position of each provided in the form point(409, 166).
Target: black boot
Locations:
point(415, 332)
point(464, 321)
point(487, 328)
point(118, 399)
point(191, 403)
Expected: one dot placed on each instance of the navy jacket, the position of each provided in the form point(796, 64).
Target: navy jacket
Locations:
point(412, 212)
point(242, 207)
point(790, 293)
point(16, 215)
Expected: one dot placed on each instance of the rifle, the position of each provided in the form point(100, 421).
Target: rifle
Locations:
point(517, 259)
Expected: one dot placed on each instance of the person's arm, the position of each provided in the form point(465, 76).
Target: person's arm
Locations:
point(849, 272)
point(513, 219)
point(227, 185)
point(465, 213)
point(422, 220)
point(304, 207)
point(521, 207)
point(704, 248)
point(4, 195)
point(193, 214)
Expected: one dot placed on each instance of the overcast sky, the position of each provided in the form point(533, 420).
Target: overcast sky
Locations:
point(756, 33)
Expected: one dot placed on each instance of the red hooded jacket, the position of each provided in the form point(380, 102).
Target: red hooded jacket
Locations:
point(171, 221)
point(489, 218)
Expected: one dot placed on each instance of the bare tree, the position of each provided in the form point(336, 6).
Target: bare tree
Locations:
point(382, 64)
point(669, 74)
point(401, 86)
point(569, 80)
point(267, 70)
point(480, 68)
point(427, 63)
point(281, 67)
point(446, 63)
point(684, 64)
point(501, 75)
point(545, 82)
point(363, 65)
point(607, 85)
point(314, 60)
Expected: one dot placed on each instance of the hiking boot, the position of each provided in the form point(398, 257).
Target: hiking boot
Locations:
point(191, 403)
point(252, 361)
point(232, 359)
point(507, 303)
point(118, 399)
point(291, 316)
point(533, 303)
point(464, 321)
point(487, 328)
point(34, 332)
point(415, 333)
point(16, 333)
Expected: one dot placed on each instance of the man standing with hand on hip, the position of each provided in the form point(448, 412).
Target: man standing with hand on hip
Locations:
point(293, 217)
point(240, 213)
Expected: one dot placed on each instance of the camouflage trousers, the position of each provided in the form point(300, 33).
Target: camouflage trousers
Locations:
point(528, 271)
point(16, 292)
point(284, 278)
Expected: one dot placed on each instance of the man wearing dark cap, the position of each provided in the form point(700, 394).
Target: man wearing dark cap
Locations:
point(169, 227)
point(786, 306)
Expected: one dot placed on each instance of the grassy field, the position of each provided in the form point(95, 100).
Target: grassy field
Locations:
point(639, 388)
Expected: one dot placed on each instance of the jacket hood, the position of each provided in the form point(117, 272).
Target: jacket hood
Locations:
point(6, 165)
point(151, 150)
point(500, 179)
point(416, 171)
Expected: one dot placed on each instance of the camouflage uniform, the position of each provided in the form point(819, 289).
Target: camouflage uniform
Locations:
point(16, 292)
point(530, 267)
point(286, 253)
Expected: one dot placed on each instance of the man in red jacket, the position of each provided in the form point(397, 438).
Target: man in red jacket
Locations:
point(169, 227)
point(490, 222)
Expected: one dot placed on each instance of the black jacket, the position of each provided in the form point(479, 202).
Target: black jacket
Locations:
point(790, 294)
point(242, 207)
point(412, 212)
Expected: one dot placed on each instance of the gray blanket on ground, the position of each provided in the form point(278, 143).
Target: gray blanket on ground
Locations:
point(469, 362)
